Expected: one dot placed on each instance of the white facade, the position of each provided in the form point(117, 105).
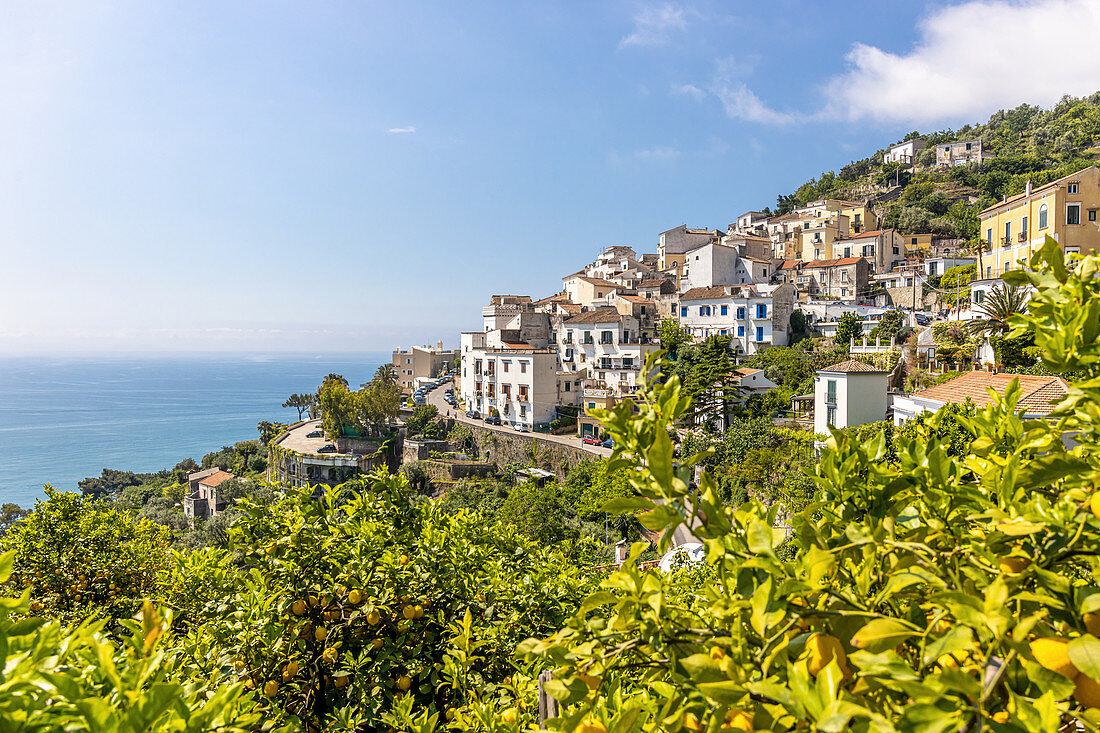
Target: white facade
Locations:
point(721, 264)
point(938, 265)
point(605, 348)
point(755, 317)
point(846, 396)
point(904, 153)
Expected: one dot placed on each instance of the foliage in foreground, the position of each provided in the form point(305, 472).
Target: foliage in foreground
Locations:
point(955, 587)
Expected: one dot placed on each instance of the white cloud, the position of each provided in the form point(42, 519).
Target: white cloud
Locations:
point(689, 90)
point(972, 59)
point(654, 24)
point(401, 130)
point(742, 104)
point(658, 153)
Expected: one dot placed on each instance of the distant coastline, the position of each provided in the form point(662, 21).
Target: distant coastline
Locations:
point(65, 418)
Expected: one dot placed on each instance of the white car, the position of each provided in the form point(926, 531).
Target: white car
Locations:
point(686, 554)
point(521, 428)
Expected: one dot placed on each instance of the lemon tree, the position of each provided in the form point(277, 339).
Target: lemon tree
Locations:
point(337, 609)
point(952, 586)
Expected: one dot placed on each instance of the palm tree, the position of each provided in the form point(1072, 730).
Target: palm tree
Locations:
point(978, 246)
point(1004, 302)
point(385, 374)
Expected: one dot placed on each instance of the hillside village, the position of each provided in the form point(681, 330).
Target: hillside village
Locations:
point(537, 359)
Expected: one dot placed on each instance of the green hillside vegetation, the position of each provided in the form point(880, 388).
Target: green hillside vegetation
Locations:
point(1028, 143)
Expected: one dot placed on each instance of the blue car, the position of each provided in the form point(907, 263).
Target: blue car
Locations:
point(609, 443)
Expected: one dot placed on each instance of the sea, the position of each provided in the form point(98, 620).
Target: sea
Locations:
point(63, 419)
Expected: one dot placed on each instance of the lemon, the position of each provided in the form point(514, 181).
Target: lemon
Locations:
point(271, 688)
point(691, 722)
point(1012, 564)
point(823, 649)
point(1094, 504)
point(738, 720)
point(1054, 655)
point(1000, 717)
point(341, 681)
point(320, 634)
point(591, 725)
point(509, 716)
point(1092, 623)
point(409, 612)
point(1086, 691)
point(329, 655)
point(298, 607)
point(404, 682)
point(355, 597)
point(374, 618)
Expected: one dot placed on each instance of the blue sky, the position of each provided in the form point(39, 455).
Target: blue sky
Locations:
point(324, 176)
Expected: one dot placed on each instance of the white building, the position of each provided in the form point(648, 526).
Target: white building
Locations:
point(752, 381)
point(904, 153)
point(605, 347)
point(934, 266)
point(756, 316)
point(722, 264)
point(1037, 394)
point(848, 394)
point(510, 367)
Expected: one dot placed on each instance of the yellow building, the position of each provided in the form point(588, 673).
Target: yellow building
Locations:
point(914, 242)
point(819, 234)
point(1065, 209)
point(860, 217)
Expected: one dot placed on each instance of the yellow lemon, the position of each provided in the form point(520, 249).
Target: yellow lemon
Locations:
point(404, 559)
point(691, 722)
point(590, 725)
point(374, 618)
point(1086, 691)
point(313, 601)
point(320, 634)
point(823, 649)
point(1092, 623)
point(1094, 504)
point(1012, 564)
point(341, 681)
point(355, 597)
point(419, 612)
point(409, 612)
point(298, 607)
point(271, 688)
point(717, 653)
point(329, 655)
point(509, 716)
point(291, 668)
point(404, 682)
point(738, 720)
point(1054, 655)
point(1000, 717)
point(376, 644)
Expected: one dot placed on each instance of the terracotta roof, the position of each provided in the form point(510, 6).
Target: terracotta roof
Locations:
point(516, 345)
point(714, 291)
point(551, 299)
point(756, 259)
point(599, 281)
point(570, 307)
point(866, 235)
point(748, 238)
point(744, 371)
point(852, 366)
point(1037, 394)
point(635, 299)
point(789, 264)
point(599, 315)
point(215, 479)
point(833, 263)
point(653, 283)
point(202, 474)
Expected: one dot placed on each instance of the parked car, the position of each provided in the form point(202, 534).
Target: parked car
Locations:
point(473, 414)
point(493, 420)
point(315, 434)
point(330, 448)
point(609, 443)
point(521, 428)
point(591, 440)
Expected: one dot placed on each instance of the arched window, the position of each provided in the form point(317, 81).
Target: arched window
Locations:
point(1043, 216)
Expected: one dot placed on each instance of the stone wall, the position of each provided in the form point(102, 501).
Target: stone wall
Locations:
point(421, 450)
point(528, 449)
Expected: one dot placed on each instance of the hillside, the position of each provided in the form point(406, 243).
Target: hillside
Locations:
point(1027, 142)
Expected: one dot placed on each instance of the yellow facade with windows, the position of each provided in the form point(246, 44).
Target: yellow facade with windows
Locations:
point(915, 242)
point(860, 218)
point(1067, 209)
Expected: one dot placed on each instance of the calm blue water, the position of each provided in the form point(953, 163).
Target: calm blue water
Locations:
point(63, 419)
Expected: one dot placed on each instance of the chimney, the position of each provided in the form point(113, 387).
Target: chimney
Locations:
point(1027, 188)
point(621, 551)
point(439, 345)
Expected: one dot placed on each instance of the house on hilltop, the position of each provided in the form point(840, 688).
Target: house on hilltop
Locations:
point(1038, 394)
point(204, 500)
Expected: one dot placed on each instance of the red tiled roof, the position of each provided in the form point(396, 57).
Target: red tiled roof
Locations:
point(1037, 394)
point(853, 366)
point(789, 264)
point(516, 345)
point(599, 315)
point(598, 281)
point(635, 299)
point(833, 263)
point(653, 283)
point(744, 371)
point(215, 479)
point(714, 291)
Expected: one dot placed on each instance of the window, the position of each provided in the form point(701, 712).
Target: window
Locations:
point(523, 410)
point(1073, 213)
point(523, 392)
point(979, 296)
point(830, 392)
point(869, 250)
point(722, 332)
point(914, 242)
point(1043, 216)
point(741, 313)
point(591, 405)
point(764, 272)
point(523, 367)
point(606, 337)
point(1071, 188)
point(1006, 267)
point(1008, 232)
point(704, 310)
point(683, 311)
point(740, 331)
point(847, 251)
point(968, 147)
point(628, 362)
point(988, 271)
point(1023, 225)
point(761, 310)
point(895, 250)
point(831, 416)
point(1092, 214)
point(506, 364)
point(759, 333)
point(989, 233)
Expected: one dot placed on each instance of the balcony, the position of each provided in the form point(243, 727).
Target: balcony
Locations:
point(1006, 241)
point(1022, 236)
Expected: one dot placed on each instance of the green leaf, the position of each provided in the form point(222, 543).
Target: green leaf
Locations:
point(627, 505)
point(6, 561)
point(1084, 652)
point(725, 692)
point(882, 633)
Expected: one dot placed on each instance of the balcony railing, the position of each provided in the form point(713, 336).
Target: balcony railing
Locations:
point(1022, 236)
point(1006, 241)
